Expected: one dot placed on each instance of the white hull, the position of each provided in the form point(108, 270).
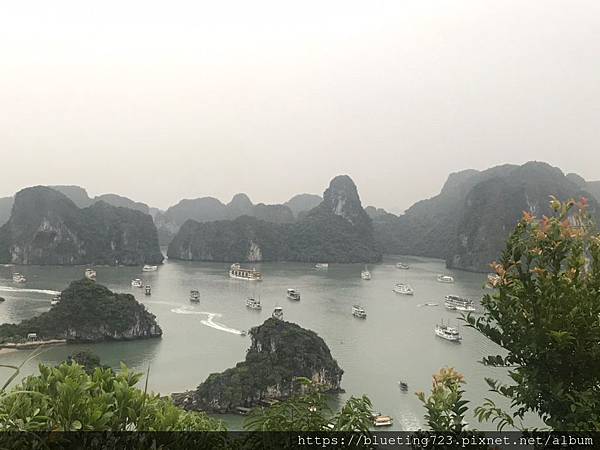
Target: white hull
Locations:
point(149, 268)
point(447, 333)
point(365, 275)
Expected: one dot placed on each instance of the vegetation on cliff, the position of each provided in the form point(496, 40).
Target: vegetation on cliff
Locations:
point(280, 353)
point(46, 227)
point(88, 312)
point(338, 230)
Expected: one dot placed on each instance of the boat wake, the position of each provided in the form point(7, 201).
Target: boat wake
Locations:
point(209, 322)
point(409, 422)
point(31, 291)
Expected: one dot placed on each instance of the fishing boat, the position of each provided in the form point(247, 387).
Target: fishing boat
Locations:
point(277, 313)
point(358, 311)
point(148, 268)
point(383, 421)
point(137, 283)
point(293, 294)
point(18, 278)
point(445, 279)
point(253, 303)
point(365, 274)
point(194, 296)
point(456, 303)
point(239, 273)
point(447, 332)
point(322, 266)
point(403, 266)
point(403, 385)
point(90, 274)
point(148, 290)
point(404, 289)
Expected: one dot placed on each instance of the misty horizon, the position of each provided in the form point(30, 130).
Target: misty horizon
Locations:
point(196, 100)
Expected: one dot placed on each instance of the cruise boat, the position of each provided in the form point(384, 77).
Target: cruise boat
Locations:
point(447, 332)
point(365, 274)
point(358, 311)
point(239, 273)
point(90, 274)
point(137, 283)
point(382, 421)
point(322, 266)
point(194, 296)
point(293, 294)
point(445, 279)
point(404, 289)
point(18, 278)
point(277, 313)
point(148, 290)
point(253, 303)
point(148, 268)
point(400, 265)
point(456, 303)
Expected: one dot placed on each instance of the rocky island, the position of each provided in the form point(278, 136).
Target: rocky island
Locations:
point(46, 227)
point(279, 353)
point(87, 312)
point(337, 230)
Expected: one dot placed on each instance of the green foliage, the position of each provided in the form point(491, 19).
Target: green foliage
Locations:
point(89, 361)
point(445, 406)
point(309, 411)
point(66, 398)
point(546, 314)
point(87, 311)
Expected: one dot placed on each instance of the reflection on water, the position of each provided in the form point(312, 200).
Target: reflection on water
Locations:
point(395, 342)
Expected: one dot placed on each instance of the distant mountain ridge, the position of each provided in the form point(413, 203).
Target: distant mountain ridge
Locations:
point(468, 222)
point(337, 230)
point(46, 227)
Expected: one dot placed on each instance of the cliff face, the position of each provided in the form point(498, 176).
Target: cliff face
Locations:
point(88, 312)
point(468, 223)
point(338, 230)
point(280, 352)
point(46, 227)
point(6, 204)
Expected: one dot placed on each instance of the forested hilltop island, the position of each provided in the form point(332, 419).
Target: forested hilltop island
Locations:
point(88, 312)
point(280, 352)
point(337, 230)
point(46, 227)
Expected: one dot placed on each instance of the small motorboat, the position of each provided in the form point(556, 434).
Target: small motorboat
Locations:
point(148, 268)
point(358, 311)
point(55, 300)
point(322, 266)
point(137, 283)
point(277, 313)
point(365, 274)
point(243, 333)
point(403, 266)
point(403, 385)
point(293, 294)
point(148, 290)
point(253, 303)
point(404, 289)
point(194, 296)
point(445, 279)
point(18, 278)
point(383, 421)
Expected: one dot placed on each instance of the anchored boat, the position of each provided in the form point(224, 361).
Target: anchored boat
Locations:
point(277, 313)
point(239, 273)
point(365, 274)
point(447, 332)
point(148, 268)
point(404, 289)
point(293, 294)
point(18, 278)
point(445, 279)
point(148, 290)
point(456, 303)
point(253, 303)
point(322, 266)
point(137, 283)
point(403, 266)
point(358, 311)
point(194, 296)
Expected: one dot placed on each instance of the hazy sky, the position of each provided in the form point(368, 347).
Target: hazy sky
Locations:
point(160, 101)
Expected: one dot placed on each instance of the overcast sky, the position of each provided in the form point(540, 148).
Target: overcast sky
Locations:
point(160, 101)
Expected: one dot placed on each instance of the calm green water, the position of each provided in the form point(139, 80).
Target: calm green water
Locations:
point(395, 342)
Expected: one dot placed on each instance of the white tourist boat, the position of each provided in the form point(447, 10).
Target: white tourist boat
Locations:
point(148, 268)
point(18, 278)
point(322, 266)
point(403, 266)
point(236, 271)
point(293, 294)
point(277, 313)
point(365, 274)
point(253, 303)
point(137, 283)
point(445, 279)
point(358, 311)
point(382, 421)
point(194, 296)
point(90, 274)
point(148, 290)
point(456, 303)
point(404, 289)
point(447, 332)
